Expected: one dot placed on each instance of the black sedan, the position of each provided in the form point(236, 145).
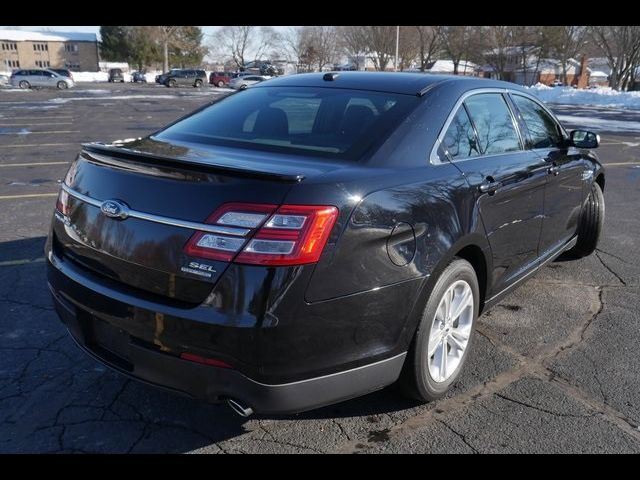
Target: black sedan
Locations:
point(317, 237)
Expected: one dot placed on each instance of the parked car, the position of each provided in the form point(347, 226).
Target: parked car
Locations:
point(163, 76)
point(4, 80)
point(263, 68)
point(189, 77)
point(557, 83)
point(40, 77)
point(220, 79)
point(63, 71)
point(116, 75)
point(244, 81)
point(138, 77)
point(319, 236)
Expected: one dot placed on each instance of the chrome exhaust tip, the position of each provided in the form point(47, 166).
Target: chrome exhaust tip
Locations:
point(239, 408)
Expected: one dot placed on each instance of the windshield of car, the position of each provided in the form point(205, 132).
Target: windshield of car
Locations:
point(328, 122)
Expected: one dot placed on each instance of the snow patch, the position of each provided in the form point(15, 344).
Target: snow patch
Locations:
point(601, 96)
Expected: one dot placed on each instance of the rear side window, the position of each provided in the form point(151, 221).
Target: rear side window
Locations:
point(544, 132)
point(494, 124)
point(460, 141)
point(327, 122)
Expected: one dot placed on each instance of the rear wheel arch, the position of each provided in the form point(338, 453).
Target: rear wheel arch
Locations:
point(472, 249)
point(476, 257)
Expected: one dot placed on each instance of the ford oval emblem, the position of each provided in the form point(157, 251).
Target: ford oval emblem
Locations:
point(114, 209)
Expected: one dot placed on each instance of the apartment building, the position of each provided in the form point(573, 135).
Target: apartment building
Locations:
point(73, 50)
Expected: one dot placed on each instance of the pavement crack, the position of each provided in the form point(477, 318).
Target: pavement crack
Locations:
point(540, 409)
point(342, 430)
point(459, 435)
point(604, 264)
point(623, 260)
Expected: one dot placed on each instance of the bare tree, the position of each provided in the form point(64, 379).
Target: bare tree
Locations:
point(353, 41)
point(244, 42)
point(408, 47)
point(166, 35)
point(429, 43)
point(621, 46)
point(566, 42)
point(381, 42)
point(324, 45)
point(498, 43)
point(457, 43)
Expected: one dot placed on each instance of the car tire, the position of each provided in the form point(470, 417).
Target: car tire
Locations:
point(590, 224)
point(171, 83)
point(24, 84)
point(242, 87)
point(220, 84)
point(425, 376)
point(198, 84)
point(62, 85)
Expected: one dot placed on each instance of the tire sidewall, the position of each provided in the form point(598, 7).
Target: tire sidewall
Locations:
point(457, 270)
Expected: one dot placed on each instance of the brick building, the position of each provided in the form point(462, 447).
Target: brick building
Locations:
point(73, 50)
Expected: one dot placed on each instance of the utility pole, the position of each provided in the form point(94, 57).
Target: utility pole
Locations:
point(397, 43)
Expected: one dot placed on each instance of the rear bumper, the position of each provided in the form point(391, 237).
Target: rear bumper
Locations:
point(103, 337)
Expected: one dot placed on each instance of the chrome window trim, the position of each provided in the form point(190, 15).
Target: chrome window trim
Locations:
point(150, 217)
point(434, 159)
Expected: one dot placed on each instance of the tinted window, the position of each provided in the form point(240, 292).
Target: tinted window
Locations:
point(460, 140)
point(543, 130)
point(494, 124)
point(335, 123)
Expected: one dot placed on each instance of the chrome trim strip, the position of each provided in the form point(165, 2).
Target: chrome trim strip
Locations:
point(203, 227)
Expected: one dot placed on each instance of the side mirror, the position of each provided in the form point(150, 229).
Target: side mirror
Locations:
point(584, 139)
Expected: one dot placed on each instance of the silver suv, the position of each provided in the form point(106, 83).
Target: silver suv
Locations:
point(40, 77)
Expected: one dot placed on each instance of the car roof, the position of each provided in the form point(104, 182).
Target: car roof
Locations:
point(392, 82)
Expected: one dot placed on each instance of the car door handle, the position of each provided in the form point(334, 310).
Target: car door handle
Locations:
point(490, 186)
point(554, 170)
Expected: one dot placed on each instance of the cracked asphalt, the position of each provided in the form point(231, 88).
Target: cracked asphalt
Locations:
point(554, 367)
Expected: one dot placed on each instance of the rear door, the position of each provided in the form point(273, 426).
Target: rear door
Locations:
point(563, 193)
point(484, 142)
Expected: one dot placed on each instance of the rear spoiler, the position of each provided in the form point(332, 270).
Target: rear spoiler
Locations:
point(190, 164)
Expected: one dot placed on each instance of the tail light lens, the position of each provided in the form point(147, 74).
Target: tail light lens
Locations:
point(62, 204)
point(290, 235)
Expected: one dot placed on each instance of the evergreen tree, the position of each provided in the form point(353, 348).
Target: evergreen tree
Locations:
point(114, 46)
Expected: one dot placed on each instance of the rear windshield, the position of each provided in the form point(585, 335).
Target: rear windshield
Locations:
point(328, 122)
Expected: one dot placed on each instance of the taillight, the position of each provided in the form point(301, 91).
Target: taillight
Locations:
point(290, 235)
point(62, 204)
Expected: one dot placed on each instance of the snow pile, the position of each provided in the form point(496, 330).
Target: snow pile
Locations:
point(601, 96)
point(90, 76)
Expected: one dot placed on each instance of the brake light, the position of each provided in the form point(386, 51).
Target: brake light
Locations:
point(62, 204)
point(290, 235)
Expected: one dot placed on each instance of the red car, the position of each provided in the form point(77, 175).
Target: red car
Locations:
point(220, 79)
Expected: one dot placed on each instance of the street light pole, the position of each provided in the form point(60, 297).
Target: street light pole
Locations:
point(397, 43)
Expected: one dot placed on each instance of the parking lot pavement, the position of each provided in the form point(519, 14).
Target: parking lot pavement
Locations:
point(553, 368)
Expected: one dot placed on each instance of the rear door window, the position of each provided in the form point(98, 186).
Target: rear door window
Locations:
point(494, 123)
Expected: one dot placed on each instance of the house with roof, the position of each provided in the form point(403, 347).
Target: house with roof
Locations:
point(77, 51)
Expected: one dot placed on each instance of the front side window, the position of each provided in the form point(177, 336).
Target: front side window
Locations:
point(327, 122)
point(544, 132)
point(460, 141)
point(494, 124)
